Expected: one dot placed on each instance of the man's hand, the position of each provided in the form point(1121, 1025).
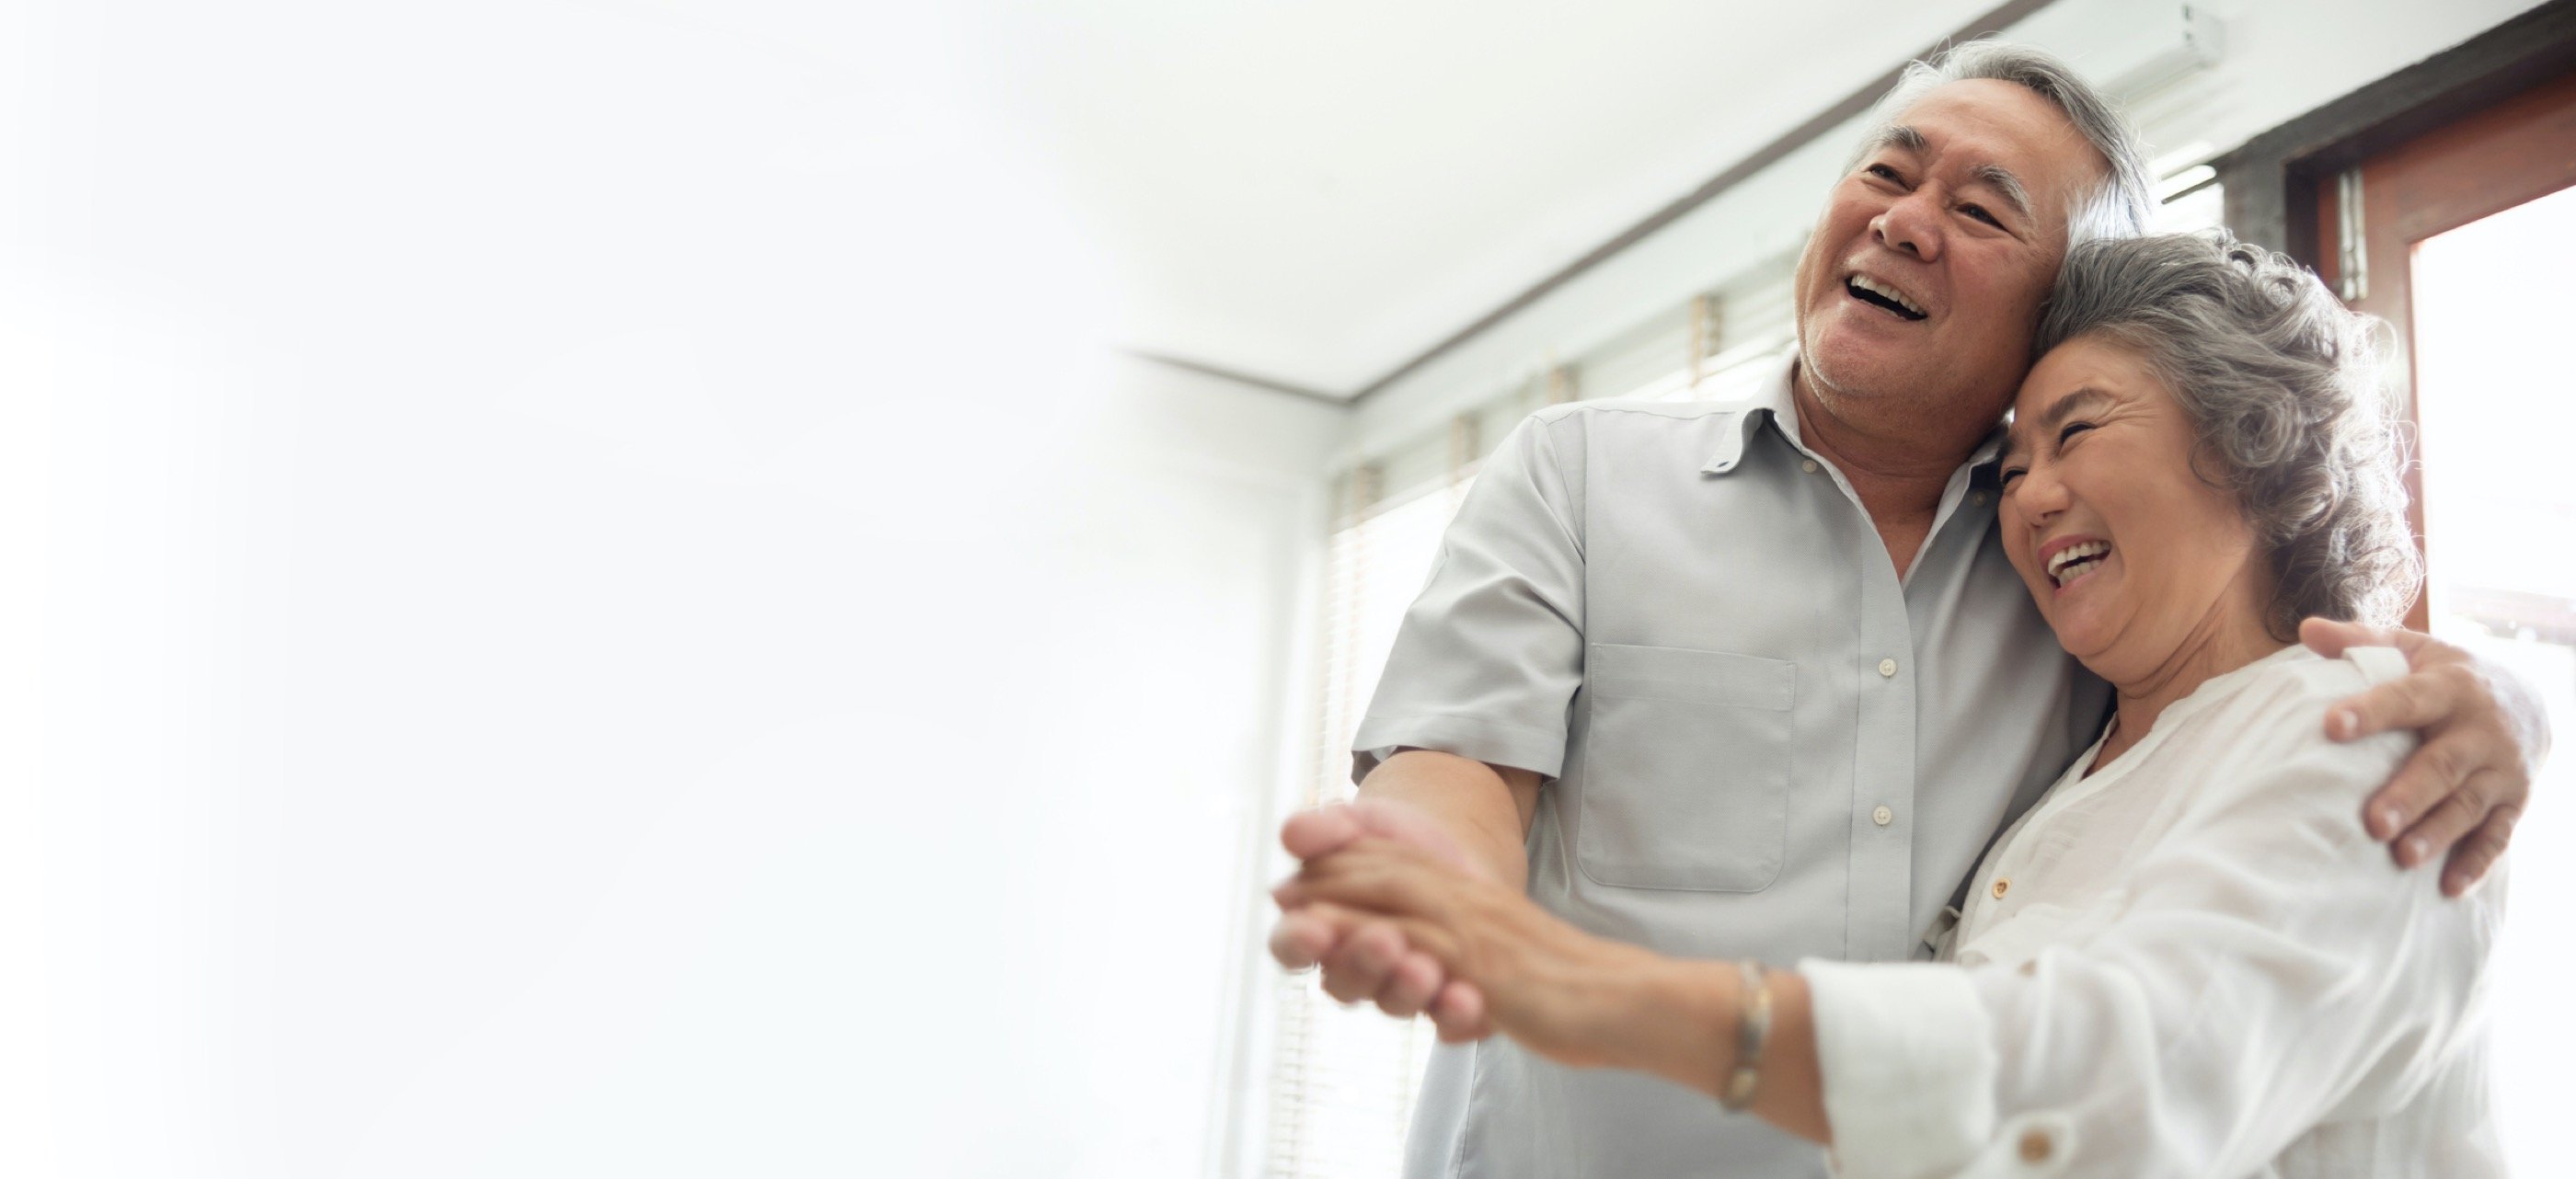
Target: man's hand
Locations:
point(2485, 735)
point(1368, 958)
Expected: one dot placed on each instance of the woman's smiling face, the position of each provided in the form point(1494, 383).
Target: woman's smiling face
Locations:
point(2134, 560)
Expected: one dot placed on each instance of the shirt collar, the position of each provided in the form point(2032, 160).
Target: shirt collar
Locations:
point(1767, 396)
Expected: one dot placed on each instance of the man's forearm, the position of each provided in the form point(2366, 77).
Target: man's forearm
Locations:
point(1485, 808)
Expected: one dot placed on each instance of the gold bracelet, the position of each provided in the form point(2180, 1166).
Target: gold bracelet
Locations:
point(1752, 1029)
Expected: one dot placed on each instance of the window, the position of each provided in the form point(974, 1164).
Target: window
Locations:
point(2453, 230)
point(1342, 1081)
point(2497, 508)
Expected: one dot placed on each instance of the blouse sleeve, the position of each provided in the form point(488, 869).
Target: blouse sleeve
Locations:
point(2271, 969)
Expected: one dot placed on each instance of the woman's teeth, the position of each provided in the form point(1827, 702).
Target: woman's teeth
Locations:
point(2076, 560)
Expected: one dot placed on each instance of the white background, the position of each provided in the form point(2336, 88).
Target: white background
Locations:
point(585, 597)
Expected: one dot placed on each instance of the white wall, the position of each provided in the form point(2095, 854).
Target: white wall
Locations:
point(2282, 58)
point(583, 599)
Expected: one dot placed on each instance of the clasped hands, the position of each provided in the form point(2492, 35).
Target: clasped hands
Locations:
point(1372, 956)
point(1398, 914)
point(1396, 917)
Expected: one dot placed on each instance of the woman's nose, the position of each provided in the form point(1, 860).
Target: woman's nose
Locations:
point(2037, 495)
point(1909, 226)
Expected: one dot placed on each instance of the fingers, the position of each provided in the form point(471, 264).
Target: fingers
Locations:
point(1459, 1014)
point(2436, 771)
point(1321, 831)
point(1357, 969)
point(1366, 959)
point(1344, 912)
point(1371, 874)
point(1411, 986)
point(1301, 938)
point(2473, 856)
point(1414, 983)
point(1353, 952)
point(1413, 827)
point(2410, 702)
point(2451, 817)
point(2328, 637)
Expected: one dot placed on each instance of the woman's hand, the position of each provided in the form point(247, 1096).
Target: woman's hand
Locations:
point(2485, 735)
point(1558, 991)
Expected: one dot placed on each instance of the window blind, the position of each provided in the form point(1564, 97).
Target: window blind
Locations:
point(1343, 1080)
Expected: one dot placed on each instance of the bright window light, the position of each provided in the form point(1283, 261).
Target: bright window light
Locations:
point(2499, 512)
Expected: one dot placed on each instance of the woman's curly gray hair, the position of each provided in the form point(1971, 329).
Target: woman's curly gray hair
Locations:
point(2282, 386)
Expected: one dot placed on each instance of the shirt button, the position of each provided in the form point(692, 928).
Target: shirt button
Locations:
point(1978, 499)
point(1882, 816)
point(2002, 886)
point(1887, 667)
point(1808, 466)
point(2036, 1147)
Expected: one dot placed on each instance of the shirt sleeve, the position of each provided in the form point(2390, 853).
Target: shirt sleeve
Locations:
point(1488, 657)
point(2270, 970)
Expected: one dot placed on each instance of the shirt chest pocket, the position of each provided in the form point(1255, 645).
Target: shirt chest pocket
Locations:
point(1686, 770)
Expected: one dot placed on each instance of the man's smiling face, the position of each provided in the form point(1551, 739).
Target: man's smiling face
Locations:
point(1919, 289)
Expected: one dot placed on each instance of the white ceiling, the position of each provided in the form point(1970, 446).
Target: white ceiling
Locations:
point(1315, 192)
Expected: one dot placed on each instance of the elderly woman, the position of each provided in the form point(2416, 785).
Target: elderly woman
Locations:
point(2187, 959)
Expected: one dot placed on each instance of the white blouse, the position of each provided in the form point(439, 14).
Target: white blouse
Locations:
point(2194, 962)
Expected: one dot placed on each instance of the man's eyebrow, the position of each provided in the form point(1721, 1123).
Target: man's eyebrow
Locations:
point(2007, 186)
point(1897, 135)
point(1994, 176)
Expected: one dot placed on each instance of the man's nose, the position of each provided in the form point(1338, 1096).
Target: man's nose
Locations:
point(1910, 225)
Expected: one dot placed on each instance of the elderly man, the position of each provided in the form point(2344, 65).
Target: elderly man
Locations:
point(1754, 678)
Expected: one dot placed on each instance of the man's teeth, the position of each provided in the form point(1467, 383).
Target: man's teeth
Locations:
point(2076, 559)
point(1888, 293)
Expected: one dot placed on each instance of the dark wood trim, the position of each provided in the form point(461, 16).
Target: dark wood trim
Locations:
point(2282, 185)
point(2272, 182)
point(1993, 21)
point(2517, 149)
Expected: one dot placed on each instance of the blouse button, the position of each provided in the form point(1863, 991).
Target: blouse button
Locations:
point(1808, 466)
point(2002, 886)
point(2036, 1147)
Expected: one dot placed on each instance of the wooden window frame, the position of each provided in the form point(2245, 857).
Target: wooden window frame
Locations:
point(2273, 181)
point(2283, 187)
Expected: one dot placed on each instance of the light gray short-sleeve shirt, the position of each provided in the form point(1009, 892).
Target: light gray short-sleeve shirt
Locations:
point(1760, 742)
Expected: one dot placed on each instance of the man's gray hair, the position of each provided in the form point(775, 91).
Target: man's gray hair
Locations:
point(2122, 205)
point(2281, 384)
